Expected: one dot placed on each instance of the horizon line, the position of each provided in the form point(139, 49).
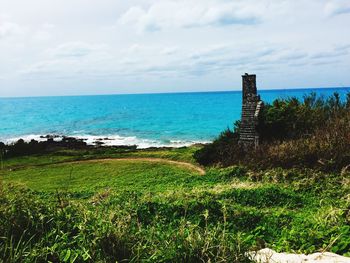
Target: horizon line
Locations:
point(179, 92)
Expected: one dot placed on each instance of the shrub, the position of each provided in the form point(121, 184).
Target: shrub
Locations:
point(222, 150)
point(314, 132)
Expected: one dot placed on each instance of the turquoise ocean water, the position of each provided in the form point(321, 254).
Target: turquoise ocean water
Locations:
point(145, 120)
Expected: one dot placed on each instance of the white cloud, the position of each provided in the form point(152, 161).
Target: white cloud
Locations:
point(329, 54)
point(68, 59)
point(194, 13)
point(337, 7)
point(194, 45)
point(169, 51)
point(48, 26)
point(74, 60)
point(49, 66)
point(76, 49)
point(41, 35)
point(8, 29)
point(343, 47)
point(294, 55)
point(44, 33)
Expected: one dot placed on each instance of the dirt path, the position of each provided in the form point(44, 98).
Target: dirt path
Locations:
point(190, 166)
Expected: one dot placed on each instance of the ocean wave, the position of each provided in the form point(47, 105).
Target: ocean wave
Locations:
point(111, 140)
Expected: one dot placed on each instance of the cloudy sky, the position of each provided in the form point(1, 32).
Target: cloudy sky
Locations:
point(76, 47)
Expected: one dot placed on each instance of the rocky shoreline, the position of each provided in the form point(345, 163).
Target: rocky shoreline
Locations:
point(51, 143)
point(105, 141)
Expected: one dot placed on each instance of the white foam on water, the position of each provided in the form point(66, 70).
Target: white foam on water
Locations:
point(111, 140)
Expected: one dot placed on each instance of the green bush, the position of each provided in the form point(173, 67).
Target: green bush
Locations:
point(222, 150)
point(313, 132)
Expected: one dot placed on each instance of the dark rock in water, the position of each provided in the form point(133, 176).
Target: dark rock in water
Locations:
point(72, 143)
point(104, 139)
point(50, 136)
point(21, 147)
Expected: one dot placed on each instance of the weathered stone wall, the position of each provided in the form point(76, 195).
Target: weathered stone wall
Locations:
point(251, 108)
point(249, 86)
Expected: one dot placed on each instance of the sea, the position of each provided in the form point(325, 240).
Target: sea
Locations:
point(145, 120)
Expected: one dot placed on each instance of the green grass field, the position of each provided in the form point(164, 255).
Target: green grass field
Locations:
point(178, 154)
point(118, 175)
point(57, 209)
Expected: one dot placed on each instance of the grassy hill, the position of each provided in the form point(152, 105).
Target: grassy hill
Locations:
point(59, 207)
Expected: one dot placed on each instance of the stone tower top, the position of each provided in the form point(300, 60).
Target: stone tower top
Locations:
point(249, 86)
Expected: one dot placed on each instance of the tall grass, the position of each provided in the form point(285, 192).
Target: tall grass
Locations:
point(218, 219)
point(119, 229)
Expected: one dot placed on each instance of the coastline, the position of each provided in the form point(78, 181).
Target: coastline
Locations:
point(108, 141)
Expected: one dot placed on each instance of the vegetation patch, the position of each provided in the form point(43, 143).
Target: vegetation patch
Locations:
point(313, 133)
point(137, 211)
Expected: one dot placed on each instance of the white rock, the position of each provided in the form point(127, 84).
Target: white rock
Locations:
point(267, 255)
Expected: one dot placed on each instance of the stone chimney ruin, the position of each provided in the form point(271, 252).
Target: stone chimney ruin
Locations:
point(251, 108)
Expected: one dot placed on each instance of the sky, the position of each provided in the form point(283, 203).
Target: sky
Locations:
point(79, 47)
